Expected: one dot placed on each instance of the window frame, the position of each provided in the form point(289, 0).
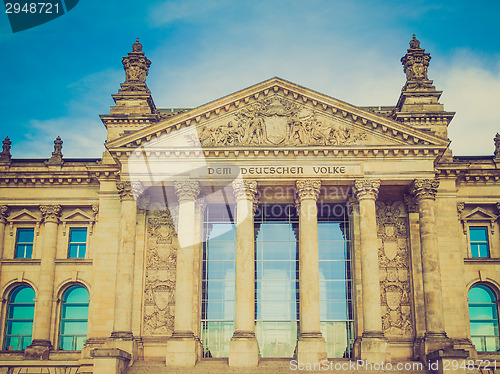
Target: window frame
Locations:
point(79, 227)
point(496, 302)
point(9, 319)
point(470, 242)
point(61, 320)
point(18, 229)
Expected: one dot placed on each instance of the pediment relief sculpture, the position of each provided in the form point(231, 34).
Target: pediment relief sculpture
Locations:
point(279, 121)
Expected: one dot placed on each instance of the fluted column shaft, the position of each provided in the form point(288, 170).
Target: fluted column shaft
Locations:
point(122, 324)
point(197, 262)
point(425, 192)
point(44, 299)
point(187, 192)
point(307, 195)
point(245, 192)
point(366, 192)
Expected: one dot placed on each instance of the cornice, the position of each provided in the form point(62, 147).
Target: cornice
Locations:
point(342, 151)
point(275, 86)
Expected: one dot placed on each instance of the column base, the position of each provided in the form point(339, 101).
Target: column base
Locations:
point(434, 341)
point(182, 349)
point(437, 360)
point(110, 360)
point(38, 350)
point(243, 350)
point(373, 347)
point(311, 348)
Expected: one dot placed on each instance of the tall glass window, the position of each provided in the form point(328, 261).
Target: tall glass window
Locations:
point(483, 314)
point(335, 280)
point(218, 280)
point(478, 237)
point(20, 312)
point(24, 243)
point(276, 280)
point(74, 317)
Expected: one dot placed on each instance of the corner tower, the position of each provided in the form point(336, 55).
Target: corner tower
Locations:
point(418, 105)
point(134, 107)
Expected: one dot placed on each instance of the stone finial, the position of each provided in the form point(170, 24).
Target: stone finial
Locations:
point(56, 158)
point(415, 64)
point(4, 213)
point(5, 156)
point(496, 139)
point(136, 66)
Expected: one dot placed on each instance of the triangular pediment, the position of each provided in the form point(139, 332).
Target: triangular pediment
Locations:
point(480, 214)
point(276, 114)
point(77, 215)
point(24, 215)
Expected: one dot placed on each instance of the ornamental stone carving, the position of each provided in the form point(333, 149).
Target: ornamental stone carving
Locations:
point(159, 289)
point(424, 188)
point(50, 213)
point(187, 189)
point(5, 156)
point(394, 265)
point(307, 189)
point(411, 203)
point(245, 189)
point(125, 189)
point(136, 66)
point(279, 121)
point(4, 213)
point(366, 189)
point(496, 140)
point(415, 64)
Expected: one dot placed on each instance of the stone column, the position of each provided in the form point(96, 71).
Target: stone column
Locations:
point(311, 346)
point(41, 344)
point(425, 191)
point(122, 324)
point(243, 348)
point(3, 221)
point(373, 344)
point(197, 262)
point(182, 346)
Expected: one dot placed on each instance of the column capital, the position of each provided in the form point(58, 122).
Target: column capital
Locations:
point(186, 189)
point(4, 213)
point(50, 213)
point(366, 189)
point(307, 189)
point(424, 188)
point(125, 189)
point(245, 189)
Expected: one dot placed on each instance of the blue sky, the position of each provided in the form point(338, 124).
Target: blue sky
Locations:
point(58, 77)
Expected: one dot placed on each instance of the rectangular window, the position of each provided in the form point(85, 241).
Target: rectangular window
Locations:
point(24, 243)
point(478, 237)
point(77, 243)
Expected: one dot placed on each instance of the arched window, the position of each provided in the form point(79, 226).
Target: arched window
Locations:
point(483, 314)
point(74, 317)
point(20, 312)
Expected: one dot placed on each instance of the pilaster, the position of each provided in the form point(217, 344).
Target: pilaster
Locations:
point(243, 348)
point(41, 344)
point(4, 213)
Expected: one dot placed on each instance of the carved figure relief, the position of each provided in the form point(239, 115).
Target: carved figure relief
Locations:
point(394, 263)
point(278, 121)
point(161, 256)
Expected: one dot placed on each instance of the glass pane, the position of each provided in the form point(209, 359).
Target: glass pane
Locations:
point(484, 250)
point(478, 234)
point(73, 251)
point(330, 231)
point(78, 235)
point(484, 328)
point(216, 337)
point(332, 270)
point(19, 328)
point(73, 328)
point(220, 250)
point(334, 250)
point(21, 311)
point(338, 338)
point(80, 341)
point(66, 343)
point(76, 294)
point(220, 270)
point(278, 251)
point(25, 235)
point(12, 343)
point(24, 250)
point(23, 294)
point(481, 294)
point(74, 312)
point(276, 339)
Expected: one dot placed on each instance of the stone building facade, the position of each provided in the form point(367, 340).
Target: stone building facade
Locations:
point(276, 222)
